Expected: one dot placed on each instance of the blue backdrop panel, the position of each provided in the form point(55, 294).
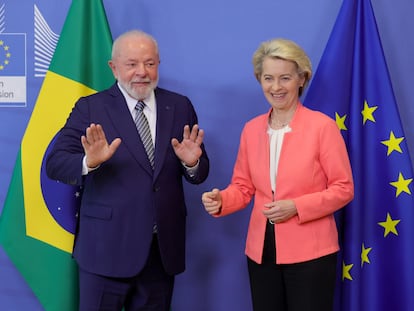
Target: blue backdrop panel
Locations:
point(206, 50)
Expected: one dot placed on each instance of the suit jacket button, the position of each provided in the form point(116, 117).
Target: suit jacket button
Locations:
point(156, 189)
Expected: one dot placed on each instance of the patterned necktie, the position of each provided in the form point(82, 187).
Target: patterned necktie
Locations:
point(144, 131)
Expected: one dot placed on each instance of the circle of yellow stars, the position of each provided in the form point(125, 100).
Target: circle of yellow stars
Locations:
point(6, 56)
point(401, 185)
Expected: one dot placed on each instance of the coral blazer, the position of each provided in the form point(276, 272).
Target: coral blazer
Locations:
point(314, 171)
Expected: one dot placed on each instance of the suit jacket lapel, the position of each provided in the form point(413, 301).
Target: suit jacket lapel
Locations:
point(122, 120)
point(165, 119)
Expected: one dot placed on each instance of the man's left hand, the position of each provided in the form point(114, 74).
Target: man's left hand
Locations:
point(189, 151)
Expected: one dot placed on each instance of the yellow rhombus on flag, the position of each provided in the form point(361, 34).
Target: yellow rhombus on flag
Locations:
point(39, 216)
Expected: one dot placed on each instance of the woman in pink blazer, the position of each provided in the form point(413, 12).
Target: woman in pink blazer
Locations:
point(294, 163)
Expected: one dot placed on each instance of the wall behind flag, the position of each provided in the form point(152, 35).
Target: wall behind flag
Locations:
point(206, 50)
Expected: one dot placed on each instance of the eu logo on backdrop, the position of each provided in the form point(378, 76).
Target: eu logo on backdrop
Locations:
point(12, 69)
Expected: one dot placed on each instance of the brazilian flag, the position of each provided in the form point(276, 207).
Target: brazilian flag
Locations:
point(39, 216)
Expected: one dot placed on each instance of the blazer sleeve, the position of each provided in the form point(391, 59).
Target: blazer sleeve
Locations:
point(64, 162)
point(240, 191)
point(201, 174)
point(339, 187)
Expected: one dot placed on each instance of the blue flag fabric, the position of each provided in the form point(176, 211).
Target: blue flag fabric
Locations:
point(353, 86)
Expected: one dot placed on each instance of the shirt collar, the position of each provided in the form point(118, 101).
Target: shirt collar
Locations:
point(131, 102)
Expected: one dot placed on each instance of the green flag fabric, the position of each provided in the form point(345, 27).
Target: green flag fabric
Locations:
point(38, 222)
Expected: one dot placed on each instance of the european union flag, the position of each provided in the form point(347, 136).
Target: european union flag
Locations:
point(12, 54)
point(353, 86)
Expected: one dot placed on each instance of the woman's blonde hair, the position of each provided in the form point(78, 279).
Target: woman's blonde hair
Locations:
point(286, 50)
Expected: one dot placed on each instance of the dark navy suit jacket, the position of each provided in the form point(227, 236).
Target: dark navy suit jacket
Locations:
point(123, 198)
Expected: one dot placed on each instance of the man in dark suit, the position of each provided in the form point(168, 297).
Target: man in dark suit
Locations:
point(130, 240)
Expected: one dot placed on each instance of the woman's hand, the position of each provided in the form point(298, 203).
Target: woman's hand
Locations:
point(280, 211)
point(212, 201)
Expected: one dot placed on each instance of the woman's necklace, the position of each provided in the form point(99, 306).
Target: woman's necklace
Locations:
point(287, 115)
point(276, 124)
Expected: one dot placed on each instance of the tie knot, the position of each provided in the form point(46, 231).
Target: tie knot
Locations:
point(140, 105)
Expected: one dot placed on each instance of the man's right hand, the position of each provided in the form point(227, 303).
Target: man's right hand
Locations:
point(96, 147)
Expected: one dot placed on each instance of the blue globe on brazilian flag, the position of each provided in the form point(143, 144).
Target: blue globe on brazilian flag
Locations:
point(39, 215)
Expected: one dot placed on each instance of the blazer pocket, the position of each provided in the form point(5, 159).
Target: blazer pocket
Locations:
point(97, 211)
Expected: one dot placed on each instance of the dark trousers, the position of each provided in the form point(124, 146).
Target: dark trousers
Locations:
point(305, 286)
point(150, 290)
